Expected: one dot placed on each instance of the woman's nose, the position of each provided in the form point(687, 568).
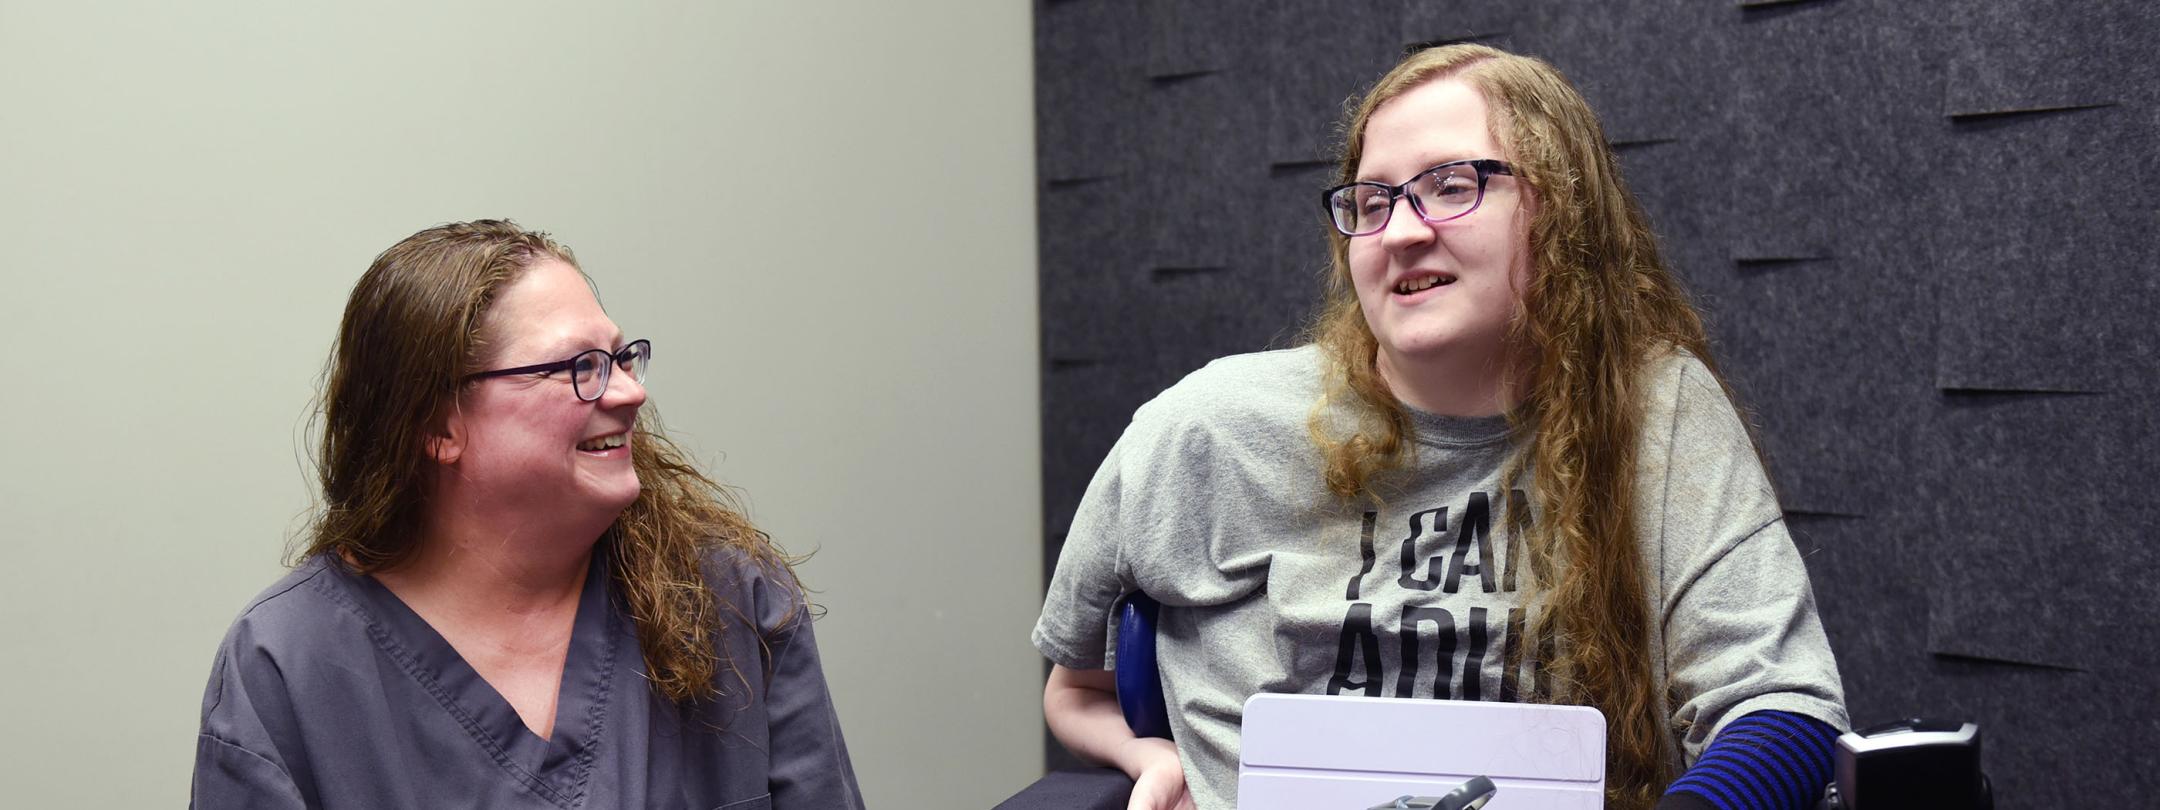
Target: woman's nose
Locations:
point(623, 389)
point(1405, 229)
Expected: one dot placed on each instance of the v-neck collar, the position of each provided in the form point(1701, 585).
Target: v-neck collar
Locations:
point(555, 768)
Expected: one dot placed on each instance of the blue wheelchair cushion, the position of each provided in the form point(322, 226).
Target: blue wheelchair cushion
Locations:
point(1139, 681)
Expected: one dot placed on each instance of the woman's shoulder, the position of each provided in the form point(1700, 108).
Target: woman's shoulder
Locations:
point(746, 563)
point(307, 621)
point(1667, 368)
point(293, 613)
point(1681, 394)
point(1698, 463)
point(1257, 389)
point(756, 578)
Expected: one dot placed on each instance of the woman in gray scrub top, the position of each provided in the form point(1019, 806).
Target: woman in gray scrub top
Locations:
point(518, 593)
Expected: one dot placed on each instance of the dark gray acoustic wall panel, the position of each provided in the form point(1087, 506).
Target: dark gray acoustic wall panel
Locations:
point(1924, 234)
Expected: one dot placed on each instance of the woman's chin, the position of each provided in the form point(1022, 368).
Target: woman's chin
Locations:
point(614, 495)
point(1425, 347)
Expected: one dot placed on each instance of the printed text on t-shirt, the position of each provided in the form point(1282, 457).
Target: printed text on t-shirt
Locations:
point(1429, 635)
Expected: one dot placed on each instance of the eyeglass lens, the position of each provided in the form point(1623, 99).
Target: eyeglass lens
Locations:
point(589, 371)
point(1441, 194)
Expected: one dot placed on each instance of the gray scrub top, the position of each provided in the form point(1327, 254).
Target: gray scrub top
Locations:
point(328, 692)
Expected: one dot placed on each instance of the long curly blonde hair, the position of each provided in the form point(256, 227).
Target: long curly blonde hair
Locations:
point(1600, 301)
point(410, 333)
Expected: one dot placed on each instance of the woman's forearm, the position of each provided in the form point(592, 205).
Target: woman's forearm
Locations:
point(1082, 710)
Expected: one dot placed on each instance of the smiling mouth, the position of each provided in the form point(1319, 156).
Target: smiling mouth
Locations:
point(604, 443)
point(1422, 283)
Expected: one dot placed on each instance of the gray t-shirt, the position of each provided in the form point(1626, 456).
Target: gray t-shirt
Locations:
point(1212, 503)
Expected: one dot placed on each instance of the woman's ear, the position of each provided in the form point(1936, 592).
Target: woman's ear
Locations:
point(446, 442)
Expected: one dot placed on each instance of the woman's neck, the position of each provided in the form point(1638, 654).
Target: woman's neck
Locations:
point(1470, 384)
point(476, 566)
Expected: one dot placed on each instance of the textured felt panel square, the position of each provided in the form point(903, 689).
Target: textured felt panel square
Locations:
point(1088, 88)
point(1316, 61)
point(1297, 263)
point(1496, 24)
point(1640, 65)
point(1831, 362)
point(1825, 136)
point(2041, 540)
point(2049, 278)
point(1204, 172)
point(1188, 37)
point(1818, 299)
point(2018, 55)
point(2053, 738)
point(1090, 264)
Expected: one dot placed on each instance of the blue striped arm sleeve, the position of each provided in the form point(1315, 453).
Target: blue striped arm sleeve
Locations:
point(1766, 760)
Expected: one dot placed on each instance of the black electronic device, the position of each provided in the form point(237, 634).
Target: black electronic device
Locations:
point(1910, 765)
point(1470, 796)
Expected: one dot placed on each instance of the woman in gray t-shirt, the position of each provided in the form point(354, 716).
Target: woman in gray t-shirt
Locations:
point(1505, 468)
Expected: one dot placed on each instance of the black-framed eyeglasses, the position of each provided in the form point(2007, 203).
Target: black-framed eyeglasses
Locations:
point(589, 370)
point(1438, 194)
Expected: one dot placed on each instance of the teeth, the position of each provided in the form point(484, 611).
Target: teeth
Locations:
point(1416, 284)
point(604, 442)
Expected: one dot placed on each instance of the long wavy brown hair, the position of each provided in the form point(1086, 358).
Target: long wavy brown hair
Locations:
point(1599, 303)
point(411, 331)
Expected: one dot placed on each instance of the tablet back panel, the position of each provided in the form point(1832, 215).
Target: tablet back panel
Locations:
point(1317, 752)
